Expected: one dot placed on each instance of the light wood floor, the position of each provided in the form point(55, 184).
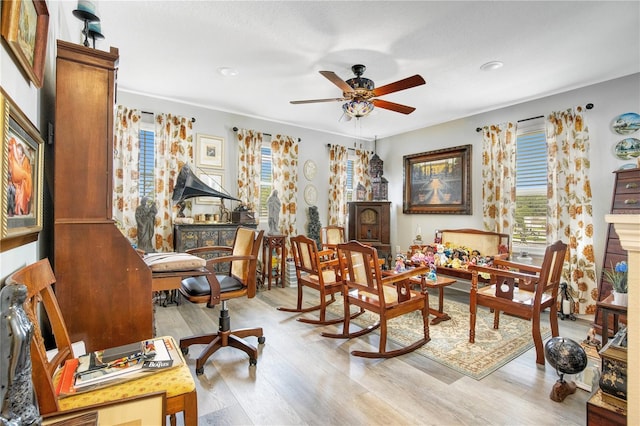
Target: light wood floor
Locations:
point(304, 378)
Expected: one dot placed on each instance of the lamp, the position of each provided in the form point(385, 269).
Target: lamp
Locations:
point(86, 12)
point(357, 108)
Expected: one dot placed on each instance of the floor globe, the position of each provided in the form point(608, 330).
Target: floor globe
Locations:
point(567, 357)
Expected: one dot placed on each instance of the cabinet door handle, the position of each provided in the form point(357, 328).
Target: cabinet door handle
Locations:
point(632, 185)
point(631, 201)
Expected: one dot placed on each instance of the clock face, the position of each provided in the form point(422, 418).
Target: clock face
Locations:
point(368, 216)
point(310, 169)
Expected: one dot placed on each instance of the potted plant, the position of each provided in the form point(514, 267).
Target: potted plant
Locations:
point(617, 276)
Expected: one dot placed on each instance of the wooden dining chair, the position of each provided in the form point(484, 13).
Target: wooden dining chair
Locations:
point(233, 274)
point(331, 236)
point(389, 296)
point(319, 270)
point(521, 290)
point(177, 382)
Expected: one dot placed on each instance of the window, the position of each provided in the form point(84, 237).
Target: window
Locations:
point(266, 180)
point(146, 162)
point(350, 178)
point(531, 185)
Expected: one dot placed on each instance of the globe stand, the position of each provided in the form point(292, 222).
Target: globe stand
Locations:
point(562, 389)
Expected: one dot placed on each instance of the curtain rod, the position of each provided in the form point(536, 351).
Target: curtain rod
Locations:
point(235, 129)
point(587, 106)
point(348, 149)
point(193, 120)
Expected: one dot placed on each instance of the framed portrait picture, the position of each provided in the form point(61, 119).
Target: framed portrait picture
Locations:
point(438, 181)
point(22, 176)
point(209, 151)
point(25, 27)
point(213, 179)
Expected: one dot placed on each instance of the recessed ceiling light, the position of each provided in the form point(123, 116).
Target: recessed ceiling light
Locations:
point(490, 66)
point(228, 71)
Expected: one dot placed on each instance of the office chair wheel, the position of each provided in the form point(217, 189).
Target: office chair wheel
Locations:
point(261, 339)
point(199, 371)
point(185, 351)
point(252, 361)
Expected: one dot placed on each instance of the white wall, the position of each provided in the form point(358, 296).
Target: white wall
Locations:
point(313, 145)
point(610, 99)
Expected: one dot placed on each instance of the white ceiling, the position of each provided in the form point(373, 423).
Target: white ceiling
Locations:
point(172, 50)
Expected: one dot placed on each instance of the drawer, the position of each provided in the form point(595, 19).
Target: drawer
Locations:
point(627, 202)
point(628, 182)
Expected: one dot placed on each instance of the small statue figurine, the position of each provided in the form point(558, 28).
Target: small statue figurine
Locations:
point(19, 405)
point(400, 263)
point(146, 218)
point(273, 206)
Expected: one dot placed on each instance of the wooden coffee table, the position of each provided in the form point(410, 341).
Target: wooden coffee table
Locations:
point(440, 283)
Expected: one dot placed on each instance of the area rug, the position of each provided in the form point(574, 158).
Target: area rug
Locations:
point(449, 343)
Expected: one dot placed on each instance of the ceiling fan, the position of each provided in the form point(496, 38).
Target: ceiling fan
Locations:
point(359, 93)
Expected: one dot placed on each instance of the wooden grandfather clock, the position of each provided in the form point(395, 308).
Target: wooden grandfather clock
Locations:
point(369, 224)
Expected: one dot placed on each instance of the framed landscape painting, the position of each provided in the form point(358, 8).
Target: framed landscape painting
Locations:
point(22, 177)
point(25, 27)
point(438, 181)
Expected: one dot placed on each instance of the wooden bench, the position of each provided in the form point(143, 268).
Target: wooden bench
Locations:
point(488, 244)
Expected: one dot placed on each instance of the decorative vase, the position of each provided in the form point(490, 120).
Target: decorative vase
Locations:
point(621, 299)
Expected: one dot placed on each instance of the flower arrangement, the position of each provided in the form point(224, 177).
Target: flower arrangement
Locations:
point(617, 276)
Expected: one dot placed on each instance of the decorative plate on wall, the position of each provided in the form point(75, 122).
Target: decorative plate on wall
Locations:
point(628, 148)
point(310, 195)
point(626, 123)
point(310, 169)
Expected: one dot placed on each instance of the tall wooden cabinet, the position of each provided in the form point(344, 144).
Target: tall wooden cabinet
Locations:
point(626, 200)
point(368, 223)
point(103, 286)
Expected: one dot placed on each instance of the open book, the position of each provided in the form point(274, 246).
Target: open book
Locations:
point(115, 365)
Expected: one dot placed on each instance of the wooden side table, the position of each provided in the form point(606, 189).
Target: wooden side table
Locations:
point(608, 307)
point(273, 244)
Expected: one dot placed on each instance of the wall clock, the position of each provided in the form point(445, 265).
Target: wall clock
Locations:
point(310, 169)
point(310, 195)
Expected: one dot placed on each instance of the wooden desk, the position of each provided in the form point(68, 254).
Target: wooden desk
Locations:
point(169, 282)
point(608, 307)
point(273, 244)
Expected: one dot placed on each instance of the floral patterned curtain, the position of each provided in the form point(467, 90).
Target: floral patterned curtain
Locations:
point(284, 160)
point(337, 185)
point(570, 214)
point(361, 172)
point(174, 149)
point(249, 165)
point(499, 177)
point(126, 148)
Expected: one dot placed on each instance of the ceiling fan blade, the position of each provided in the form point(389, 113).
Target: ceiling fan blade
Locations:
point(406, 83)
point(312, 101)
point(333, 77)
point(379, 103)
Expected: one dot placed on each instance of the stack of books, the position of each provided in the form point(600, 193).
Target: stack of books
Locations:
point(116, 365)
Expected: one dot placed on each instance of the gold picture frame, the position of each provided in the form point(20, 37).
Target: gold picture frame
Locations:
point(209, 151)
point(438, 181)
point(22, 176)
point(25, 27)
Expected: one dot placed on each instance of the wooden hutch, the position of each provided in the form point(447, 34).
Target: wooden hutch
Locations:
point(103, 286)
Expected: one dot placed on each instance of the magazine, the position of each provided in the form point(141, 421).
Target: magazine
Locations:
point(90, 371)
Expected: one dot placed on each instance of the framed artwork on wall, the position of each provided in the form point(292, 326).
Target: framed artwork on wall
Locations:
point(213, 179)
point(209, 151)
point(22, 176)
point(25, 27)
point(438, 181)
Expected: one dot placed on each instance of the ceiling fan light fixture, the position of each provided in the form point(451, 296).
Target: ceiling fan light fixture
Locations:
point(357, 108)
